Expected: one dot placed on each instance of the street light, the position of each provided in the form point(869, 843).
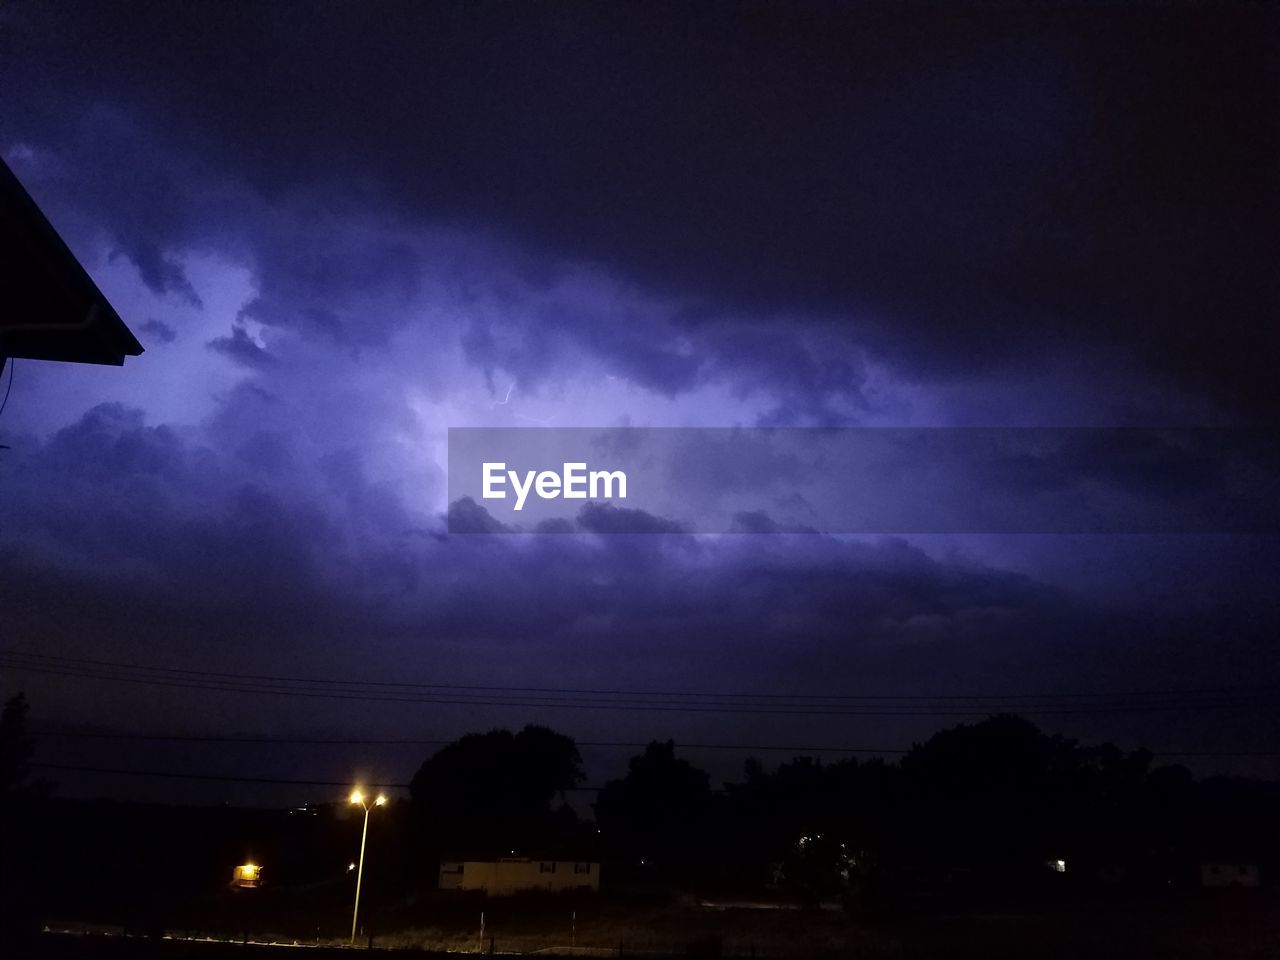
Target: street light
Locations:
point(358, 797)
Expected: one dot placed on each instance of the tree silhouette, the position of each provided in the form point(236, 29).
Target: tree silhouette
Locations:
point(495, 790)
point(995, 793)
point(657, 812)
point(15, 746)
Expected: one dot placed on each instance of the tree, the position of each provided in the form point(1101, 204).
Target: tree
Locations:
point(495, 790)
point(997, 794)
point(657, 812)
point(15, 746)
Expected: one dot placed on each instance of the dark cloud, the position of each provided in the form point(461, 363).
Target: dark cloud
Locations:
point(606, 518)
point(158, 330)
point(161, 273)
point(949, 190)
point(467, 516)
point(319, 271)
point(757, 521)
point(191, 525)
point(1168, 464)
point(243, 349)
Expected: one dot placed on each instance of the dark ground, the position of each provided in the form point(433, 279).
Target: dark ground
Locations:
point(1230, 925)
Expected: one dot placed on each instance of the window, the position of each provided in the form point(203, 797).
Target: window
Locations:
point(545, 867)
point(582, 868)
point(450, 868)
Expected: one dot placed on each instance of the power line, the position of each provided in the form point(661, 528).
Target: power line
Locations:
point(219, 778)
point(414, 742)
point(233, 683)
point(574, 691)
point(798, 749)
point(654, 706)
point(223, 778)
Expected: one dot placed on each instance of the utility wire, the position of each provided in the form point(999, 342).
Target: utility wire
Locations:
point(798, 749)
point(177, 775)
point(221, 778)
point(898, 710)
point(797, 704)
point(608, 692)
point(411, 742)
point(659, 706)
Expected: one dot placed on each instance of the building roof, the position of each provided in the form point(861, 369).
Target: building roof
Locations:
point(50, 308)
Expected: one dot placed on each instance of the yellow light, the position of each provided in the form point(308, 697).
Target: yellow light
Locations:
point(357, 796)
point(380, 801)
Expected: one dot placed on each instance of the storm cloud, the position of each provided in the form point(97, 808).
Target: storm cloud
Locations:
point(341, 234)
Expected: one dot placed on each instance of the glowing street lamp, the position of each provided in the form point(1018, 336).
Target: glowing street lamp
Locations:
point(358, 797)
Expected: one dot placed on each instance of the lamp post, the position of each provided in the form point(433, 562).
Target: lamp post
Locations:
point(358, 797)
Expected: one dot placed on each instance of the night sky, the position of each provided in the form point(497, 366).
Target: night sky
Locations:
point(341, 228)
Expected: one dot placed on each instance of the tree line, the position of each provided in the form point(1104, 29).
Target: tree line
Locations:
point(998, 803)
point(988, 804)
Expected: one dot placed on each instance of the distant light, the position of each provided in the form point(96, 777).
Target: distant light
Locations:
point(350, 867)
point(1057, 866)
point(357, 796)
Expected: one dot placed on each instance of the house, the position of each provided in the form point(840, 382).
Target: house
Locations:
point(50, 308)
point(515, 874)
point(1233, 872)
point(246, 876)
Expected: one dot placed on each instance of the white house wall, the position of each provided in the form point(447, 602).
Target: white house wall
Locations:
point(513, 876)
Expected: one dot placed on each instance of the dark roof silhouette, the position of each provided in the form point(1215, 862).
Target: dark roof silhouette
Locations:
point(50, 308)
